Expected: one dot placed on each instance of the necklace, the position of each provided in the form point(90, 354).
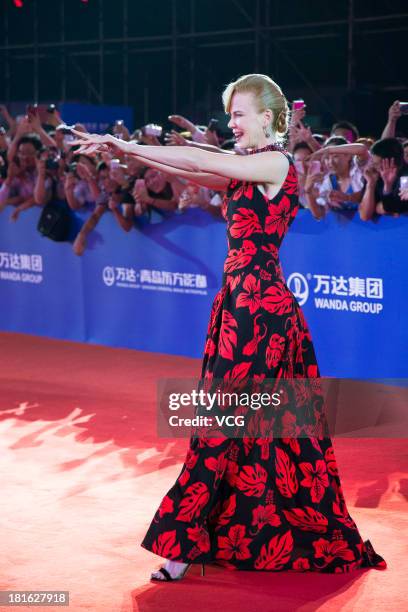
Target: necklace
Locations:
point(276, 146)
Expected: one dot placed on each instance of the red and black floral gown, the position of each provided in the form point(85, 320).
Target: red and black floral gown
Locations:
point(259, 503)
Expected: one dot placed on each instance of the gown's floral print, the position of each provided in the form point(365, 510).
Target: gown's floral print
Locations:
point(259, 503)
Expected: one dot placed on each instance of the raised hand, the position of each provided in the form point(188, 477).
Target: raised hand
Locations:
point(35, 122)
point(301, 133)
point(297, 116)
point(182, 122)
point(394, 112)
point(371, 174)
point(388, 172)
point(173, 138)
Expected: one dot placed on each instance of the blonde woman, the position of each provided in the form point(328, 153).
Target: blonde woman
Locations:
point(260, 502)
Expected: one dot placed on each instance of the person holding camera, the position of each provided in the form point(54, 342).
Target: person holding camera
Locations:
point(81, 188)
point(396, 110)
point(105, 190)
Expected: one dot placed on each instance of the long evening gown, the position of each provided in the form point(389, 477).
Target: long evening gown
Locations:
point(259, 503)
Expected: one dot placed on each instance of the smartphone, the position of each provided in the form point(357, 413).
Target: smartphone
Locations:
point(52, 163)
point(151, 129)
point(404, 182)
point(298, 104)
point(212, 126)
point(404, 108)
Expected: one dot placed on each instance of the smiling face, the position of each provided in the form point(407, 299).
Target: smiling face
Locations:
point(155, 180)
point(246, 122)
point(339, 162)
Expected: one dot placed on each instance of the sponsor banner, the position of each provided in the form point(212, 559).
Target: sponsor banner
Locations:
point(152, 288)
point(40, 281)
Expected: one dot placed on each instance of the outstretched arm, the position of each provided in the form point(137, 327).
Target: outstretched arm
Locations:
point(266, 167)
point(204, 179)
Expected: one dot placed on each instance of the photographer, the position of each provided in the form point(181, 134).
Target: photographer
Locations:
point(103, 188)
point(30, 124)
point(121, 204)
point(383, 176)
point(49, 178)
point(81, 188)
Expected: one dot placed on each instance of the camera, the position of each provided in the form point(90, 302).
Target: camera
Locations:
point(52, 163)
point(152, 129)
point(212, 126)
point(404, 108)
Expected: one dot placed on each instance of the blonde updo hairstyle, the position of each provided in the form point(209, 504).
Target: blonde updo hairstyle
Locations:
point(267, 94)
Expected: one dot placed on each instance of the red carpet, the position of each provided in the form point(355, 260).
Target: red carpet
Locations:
point(82, 473)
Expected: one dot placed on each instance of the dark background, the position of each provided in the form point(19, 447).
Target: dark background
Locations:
point(346, 58)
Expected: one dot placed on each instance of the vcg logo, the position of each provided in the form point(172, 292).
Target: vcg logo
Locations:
point(299, 286)
point(108, 276)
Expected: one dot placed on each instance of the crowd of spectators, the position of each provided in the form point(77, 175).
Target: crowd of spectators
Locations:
point(339, 172)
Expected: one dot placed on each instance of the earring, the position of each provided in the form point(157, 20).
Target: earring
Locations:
point(266, 132)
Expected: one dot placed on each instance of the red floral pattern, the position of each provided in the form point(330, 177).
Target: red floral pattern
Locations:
point(260, 503)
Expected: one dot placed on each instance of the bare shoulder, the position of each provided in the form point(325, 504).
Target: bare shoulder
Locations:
point(276, 162)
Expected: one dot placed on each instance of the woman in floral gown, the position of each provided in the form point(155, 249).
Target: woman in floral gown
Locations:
point(260, 502)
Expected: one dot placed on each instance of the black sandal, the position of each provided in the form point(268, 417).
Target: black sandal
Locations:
point(169, 578)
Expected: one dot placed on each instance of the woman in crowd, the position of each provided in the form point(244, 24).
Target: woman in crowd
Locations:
point(341, 186)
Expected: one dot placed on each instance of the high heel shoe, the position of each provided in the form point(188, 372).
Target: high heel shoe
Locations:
point(167, 577)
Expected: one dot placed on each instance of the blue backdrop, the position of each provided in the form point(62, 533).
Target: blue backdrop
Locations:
point(152, 289)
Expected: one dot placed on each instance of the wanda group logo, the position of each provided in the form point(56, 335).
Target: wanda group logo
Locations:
point(299, 286)
point(108, 276)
